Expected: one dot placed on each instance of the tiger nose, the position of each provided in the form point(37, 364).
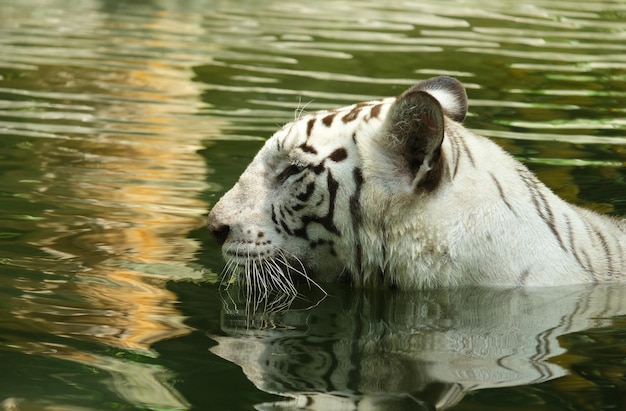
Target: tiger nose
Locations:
point(219, 230)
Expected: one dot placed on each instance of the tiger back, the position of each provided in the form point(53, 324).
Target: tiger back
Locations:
point(396, 192)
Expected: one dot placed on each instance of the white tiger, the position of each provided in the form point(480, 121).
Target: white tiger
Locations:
point(397, 192)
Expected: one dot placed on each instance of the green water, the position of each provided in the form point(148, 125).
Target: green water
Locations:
point(122, 122)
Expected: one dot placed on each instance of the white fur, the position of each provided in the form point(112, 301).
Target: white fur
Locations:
point(465, 234)
point(488, 222)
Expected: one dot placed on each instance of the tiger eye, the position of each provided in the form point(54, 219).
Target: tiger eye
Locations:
point(291, 170)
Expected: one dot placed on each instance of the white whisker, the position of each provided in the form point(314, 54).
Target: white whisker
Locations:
point(287, 283)
point(300, 110)
point(302, 271)
point(283, 295)
point(267, 283)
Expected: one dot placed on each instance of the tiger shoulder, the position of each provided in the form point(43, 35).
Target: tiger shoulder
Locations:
point(397, 192)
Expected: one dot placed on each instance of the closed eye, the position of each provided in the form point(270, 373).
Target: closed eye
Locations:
point(291, 170)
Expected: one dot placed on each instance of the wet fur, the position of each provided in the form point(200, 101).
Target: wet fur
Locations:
point(396, 192)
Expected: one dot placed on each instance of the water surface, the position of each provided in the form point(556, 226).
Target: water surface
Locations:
point(122, 122)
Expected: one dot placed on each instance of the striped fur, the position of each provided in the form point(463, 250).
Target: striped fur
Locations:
point(397, 192)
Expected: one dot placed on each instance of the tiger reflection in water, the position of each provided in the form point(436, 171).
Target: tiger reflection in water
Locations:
point(424, 350)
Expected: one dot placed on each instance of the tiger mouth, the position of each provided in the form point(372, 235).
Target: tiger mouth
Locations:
point(246, 255)
point(265, 273)
point(262, 265)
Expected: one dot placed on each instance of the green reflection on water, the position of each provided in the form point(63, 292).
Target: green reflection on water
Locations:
point(123, 122)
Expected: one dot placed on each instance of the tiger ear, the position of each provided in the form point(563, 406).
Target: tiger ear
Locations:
point(416, 131)
point(450, 94)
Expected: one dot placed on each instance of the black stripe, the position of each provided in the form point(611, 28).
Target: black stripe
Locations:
point(286, 228)
point(467, 151)
point(540, 203)
point(549, 219)
point(502, 196)
point(318, 169)
point(352, 115)
point(309, 126)
point(587, 264)
point(357, 216)
point(307, 148)
point(589, 268)
point(326, 221)
point(457, 155)
point(607, 251)
point(328, 120)
point(333, 187)
point(570, 235)
point(572, 246)
point(304, 196)
point(287, 211)
point(375, 111)
point(281, 218)
point(338, 155)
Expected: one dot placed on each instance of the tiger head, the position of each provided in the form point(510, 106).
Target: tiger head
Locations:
point(313, 202)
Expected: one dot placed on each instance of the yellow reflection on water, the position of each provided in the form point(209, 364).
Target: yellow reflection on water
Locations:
point(124, 192)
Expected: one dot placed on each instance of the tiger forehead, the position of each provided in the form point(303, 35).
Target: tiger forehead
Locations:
point(331, 124)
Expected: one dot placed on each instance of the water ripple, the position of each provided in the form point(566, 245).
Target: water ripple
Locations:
point(121, 122)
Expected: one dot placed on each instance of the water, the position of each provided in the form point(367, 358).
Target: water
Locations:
point(121, 123)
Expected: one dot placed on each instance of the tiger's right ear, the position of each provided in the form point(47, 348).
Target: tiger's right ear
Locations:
point(414, 136)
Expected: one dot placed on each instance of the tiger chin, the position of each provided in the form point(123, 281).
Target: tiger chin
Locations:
point(396, 192)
